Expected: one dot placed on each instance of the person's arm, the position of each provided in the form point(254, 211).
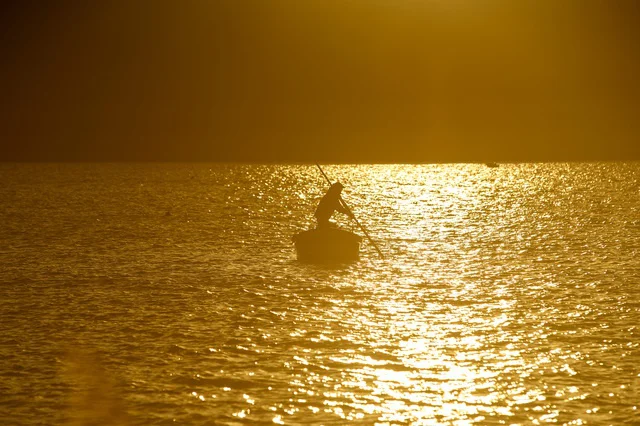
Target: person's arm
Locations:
point(342, 209)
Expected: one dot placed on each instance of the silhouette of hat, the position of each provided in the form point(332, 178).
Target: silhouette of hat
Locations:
point(337, 186)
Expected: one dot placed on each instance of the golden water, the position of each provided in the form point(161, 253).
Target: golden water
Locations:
point(170, 294)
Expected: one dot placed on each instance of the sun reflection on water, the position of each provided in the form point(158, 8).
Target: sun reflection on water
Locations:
point(507, 296)
point(447, 345)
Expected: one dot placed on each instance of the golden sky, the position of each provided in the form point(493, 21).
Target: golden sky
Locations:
point(327, 80)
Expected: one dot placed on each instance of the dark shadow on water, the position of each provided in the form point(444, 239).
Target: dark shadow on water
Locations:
point(327, 266)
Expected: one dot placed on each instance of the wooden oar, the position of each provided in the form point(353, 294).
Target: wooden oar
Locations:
point(344, 204)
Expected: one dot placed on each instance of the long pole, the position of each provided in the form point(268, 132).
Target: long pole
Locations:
point(344, 204)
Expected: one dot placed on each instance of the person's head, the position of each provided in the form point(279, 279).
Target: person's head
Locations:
point(336, 187)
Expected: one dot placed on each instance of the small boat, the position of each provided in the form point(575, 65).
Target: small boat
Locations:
point(491, 164)
point(330, 245)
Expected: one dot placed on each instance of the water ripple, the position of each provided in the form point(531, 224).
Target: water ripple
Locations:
point(169, 293)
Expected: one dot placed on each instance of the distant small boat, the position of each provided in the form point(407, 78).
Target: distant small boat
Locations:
point(491, 164)
point(329, 245)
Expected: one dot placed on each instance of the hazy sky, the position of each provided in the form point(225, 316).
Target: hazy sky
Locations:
point(327, 80)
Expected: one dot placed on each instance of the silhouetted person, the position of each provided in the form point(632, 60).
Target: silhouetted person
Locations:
point(330, 203)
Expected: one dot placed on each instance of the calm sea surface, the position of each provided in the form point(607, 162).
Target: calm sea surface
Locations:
point(170, 294)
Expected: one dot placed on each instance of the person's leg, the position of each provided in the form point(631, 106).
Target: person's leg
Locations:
point(322, 223)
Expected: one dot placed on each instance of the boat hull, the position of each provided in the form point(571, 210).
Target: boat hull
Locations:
point(329, 245)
